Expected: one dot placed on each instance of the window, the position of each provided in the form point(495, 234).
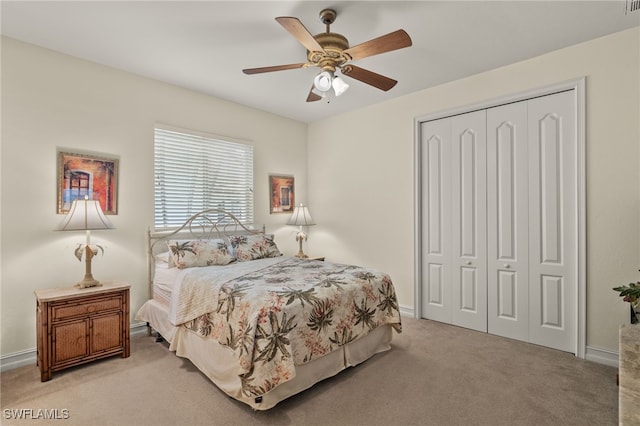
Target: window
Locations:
point(194, 172)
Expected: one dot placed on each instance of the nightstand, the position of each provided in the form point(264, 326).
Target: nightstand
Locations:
point(79, 325)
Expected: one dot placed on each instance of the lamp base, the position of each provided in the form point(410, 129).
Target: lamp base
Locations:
point(301, 236)
point(88, 282)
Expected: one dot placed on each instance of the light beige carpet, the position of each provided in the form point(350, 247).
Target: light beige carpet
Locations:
point(435, 375)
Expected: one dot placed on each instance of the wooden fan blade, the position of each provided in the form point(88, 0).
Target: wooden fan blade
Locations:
point(274, 68)
point(295, 27)
point(312, 97)
point(386, 43)
point(369, 77)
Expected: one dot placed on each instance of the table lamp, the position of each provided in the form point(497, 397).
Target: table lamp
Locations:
point(86, 215)
point(301, 217)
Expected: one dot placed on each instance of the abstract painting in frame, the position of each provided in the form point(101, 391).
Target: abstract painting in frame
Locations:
point(281, 194)
point(93, 175)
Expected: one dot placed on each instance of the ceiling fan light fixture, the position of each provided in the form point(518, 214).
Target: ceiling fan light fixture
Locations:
point(319, 93)
point(322, 82)
point(339, 85)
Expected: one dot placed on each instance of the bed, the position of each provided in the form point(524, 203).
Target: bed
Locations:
point(260, 325)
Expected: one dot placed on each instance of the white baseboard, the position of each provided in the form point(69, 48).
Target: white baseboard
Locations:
point(28, 356)
point(602, 356)
point(138, 328)
point(18, 359)
point(599, 355)
point(407, 311)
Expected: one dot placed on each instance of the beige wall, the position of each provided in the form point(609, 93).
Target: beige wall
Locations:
point(51, 100)
point(360, 170)
point(361, 178)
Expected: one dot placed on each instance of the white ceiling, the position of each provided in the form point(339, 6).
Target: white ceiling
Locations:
point(204, 45)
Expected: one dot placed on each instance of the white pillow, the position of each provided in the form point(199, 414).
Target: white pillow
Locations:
point(163, 260)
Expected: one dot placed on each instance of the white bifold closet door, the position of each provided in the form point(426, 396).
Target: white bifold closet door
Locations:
point(553, 227)
point(436, 158)
point(469, 217)
point(454, 206)
point(508, 221)
point(499, 200)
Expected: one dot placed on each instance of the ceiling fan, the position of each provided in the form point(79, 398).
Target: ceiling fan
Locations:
point(330, 51)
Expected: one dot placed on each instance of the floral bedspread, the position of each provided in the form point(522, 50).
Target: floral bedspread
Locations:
point(291, 312)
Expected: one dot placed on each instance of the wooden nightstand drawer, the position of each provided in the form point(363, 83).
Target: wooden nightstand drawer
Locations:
point(63, 310)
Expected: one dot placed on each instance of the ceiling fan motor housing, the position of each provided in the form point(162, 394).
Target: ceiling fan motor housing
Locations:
point(334, 45)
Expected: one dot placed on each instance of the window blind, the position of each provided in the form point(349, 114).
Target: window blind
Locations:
point(195, 172)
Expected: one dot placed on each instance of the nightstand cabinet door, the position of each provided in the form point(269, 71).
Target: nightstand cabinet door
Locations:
point(69, 342)
point(106, 333)
point(75, 326)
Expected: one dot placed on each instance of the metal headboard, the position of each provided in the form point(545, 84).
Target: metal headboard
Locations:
point(207, 224)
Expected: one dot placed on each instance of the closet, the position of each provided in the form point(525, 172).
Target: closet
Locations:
point(498, 196)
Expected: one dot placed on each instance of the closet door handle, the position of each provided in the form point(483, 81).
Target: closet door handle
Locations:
point(507, 266)
point(468, 262)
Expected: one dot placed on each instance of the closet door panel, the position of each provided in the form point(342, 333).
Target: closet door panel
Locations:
point(553, 231)
point(436, 220)
point(505, 299)
point(507, 221)
point(468, 221)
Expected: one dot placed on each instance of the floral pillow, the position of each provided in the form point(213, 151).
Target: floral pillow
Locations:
point(252, 247)
point(188, 254)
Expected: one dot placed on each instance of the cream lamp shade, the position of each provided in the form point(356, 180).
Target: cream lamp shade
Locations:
point(301, 217)
point(86, 215)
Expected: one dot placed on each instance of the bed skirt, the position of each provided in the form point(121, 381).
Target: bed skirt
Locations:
point(218, 363)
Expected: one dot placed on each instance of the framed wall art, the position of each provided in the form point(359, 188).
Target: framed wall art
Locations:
point(95, 176)
point(281, 194)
